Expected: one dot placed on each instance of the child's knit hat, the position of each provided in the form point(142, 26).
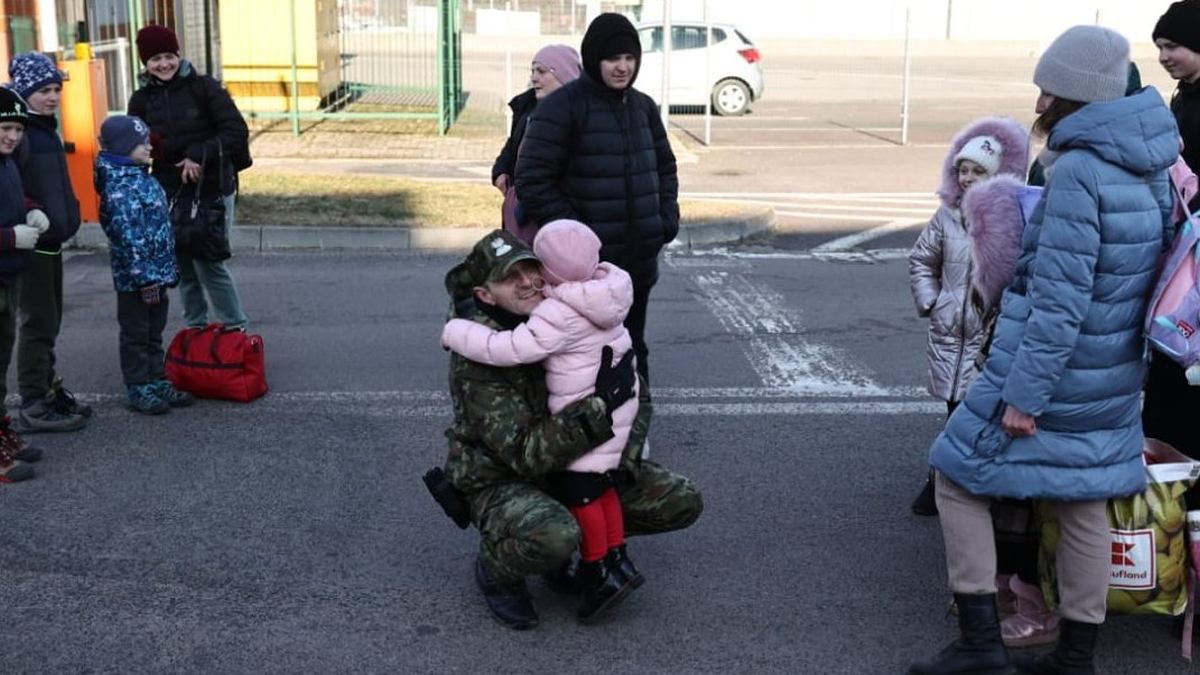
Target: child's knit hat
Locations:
point(12, 107)
point(568, 249)
point(562, 60)
point(31, 71)
point(120, 134)
point(985, 151)
point(1085, 64)
point(1180, 24)
point(154, 40)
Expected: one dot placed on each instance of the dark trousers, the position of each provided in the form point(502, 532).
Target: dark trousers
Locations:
point(40, 291)
point(141, 337)
point(8, 333)
point(635, 323)
point(1168, 409)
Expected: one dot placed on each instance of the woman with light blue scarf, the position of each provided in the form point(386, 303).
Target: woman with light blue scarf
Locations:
point(1055, 414)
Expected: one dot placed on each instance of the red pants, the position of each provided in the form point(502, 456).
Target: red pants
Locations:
point(602, 525)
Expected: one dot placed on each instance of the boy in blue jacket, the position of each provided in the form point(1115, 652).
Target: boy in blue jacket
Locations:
point(41, 158)
point(135, 216)
point(17, 239)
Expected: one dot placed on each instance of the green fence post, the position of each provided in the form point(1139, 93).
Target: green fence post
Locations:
point(295, 74)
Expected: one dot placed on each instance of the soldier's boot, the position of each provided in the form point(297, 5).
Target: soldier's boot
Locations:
point(979, 649)
point(564, 579)
point(509, 603)
point(1071, 656)
point(626, 571)
point(602, 589)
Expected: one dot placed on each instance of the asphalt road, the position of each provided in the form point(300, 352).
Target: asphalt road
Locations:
point(292, 535)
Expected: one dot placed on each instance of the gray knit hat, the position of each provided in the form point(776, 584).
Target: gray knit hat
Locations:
point(1085, 64)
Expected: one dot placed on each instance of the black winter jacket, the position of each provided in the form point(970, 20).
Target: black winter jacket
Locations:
point(602, 157)
point(506, 162)
point(187, 115)
point(13, 207)
point(1185, 103)
point(43, 165)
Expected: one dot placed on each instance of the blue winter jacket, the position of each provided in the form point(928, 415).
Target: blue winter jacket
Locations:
point(134, 215)
point(1068, 347)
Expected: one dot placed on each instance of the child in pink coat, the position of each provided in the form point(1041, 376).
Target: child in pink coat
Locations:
point(585, 306)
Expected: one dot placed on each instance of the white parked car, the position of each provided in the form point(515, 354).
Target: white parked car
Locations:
point(736, 77)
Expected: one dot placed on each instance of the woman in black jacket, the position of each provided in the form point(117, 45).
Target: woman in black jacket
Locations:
point(596, 151)
point(197, 133)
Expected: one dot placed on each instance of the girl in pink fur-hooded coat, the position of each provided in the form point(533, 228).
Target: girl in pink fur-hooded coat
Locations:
point(584, 310)
point(960, 256)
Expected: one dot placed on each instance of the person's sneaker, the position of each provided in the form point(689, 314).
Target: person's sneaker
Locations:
point(41, 416)
point(144, 398)
point(64, 401)
point(13, 470)
point(173, 397)
point(14, 445)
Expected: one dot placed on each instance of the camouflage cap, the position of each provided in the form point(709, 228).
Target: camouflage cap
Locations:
point(490, 260)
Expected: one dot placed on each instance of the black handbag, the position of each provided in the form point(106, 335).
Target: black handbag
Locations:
point(198, 220)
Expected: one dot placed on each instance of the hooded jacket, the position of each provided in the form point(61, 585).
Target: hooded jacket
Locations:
point(188, 115)
point(43, 164)
point(565, 333)
point(133, 215)
point(521, 105)
point(940, 265)
point(1068, 347)
point(602, 157)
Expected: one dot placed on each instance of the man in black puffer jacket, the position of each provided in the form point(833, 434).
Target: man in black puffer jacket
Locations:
point(596, 151)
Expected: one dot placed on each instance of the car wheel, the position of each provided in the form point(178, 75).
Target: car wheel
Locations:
point(731, 97)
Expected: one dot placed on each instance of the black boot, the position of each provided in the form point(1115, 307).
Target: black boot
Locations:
point(925, 504)
point(626, 571)
point(1071, 656)
point(564, 578)
point(510, 603)
point(978, 649)
point(602, 589)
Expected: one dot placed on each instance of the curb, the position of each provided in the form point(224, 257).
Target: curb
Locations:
point(278, 238)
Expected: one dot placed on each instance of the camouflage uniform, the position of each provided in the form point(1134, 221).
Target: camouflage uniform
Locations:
point(504, 441)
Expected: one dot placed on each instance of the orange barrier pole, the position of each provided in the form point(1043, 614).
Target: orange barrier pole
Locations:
point(84, 108)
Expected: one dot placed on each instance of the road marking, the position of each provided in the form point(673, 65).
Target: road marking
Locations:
point(739, 259)
point(781, 358)
point(850, 241)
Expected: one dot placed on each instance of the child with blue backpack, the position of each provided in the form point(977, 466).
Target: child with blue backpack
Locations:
point(135, 216)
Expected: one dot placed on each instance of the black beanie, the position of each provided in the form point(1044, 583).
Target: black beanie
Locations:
point(12, 107)
point(1180, 24)
point(608, 35)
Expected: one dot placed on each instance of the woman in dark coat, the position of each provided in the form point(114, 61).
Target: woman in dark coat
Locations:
point(596, 151)
point(198, 135)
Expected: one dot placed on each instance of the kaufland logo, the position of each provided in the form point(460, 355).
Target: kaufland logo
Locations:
point(1133, 561)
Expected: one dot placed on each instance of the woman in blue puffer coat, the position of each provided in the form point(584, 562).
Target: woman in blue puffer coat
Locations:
point(1055, 414)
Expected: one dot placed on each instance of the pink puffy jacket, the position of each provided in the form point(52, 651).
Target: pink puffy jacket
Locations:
point(566, 332)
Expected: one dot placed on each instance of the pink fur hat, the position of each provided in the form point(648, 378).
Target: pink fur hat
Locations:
point(1014, 153)
point(568, 250)
point(562, 60)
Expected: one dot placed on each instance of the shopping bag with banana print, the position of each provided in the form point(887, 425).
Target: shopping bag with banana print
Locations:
point(1150, 557)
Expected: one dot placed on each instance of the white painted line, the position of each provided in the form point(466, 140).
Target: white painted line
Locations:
point(737, 259)
point(773, 344)
point(835, 216)
point(916, 197)
point(848, 242)
point(803, 408)
point(718, 147)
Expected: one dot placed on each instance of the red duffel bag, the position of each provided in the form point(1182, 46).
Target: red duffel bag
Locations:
point(216, 362)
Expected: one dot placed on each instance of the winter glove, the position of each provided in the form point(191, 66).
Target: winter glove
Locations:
point(152, 295)
point(37, 219)
point(614, 384)
point(26, 237)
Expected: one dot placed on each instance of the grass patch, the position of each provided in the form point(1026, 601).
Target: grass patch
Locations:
point(355, 200)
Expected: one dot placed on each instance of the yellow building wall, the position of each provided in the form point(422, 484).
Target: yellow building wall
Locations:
point(256, 52)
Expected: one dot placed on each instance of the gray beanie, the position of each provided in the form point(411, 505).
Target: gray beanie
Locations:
point(1085, 64)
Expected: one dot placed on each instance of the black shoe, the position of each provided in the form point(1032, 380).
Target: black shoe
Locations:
point(925, 504)
point(509, 604)
point(64, 401)
point(1071, 656)
point(979, 649)
point(564, 578)
point(602, 590)
point(619, 561)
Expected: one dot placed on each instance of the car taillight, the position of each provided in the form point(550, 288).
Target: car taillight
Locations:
point(751, 55)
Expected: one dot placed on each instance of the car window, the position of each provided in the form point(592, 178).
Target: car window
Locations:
point(688, 37)
point(651, 39)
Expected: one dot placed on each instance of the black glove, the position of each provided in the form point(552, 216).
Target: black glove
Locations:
point(614, 384)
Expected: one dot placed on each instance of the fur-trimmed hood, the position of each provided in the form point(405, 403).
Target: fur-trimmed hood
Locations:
point(994, 226)
point(1014, 161)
